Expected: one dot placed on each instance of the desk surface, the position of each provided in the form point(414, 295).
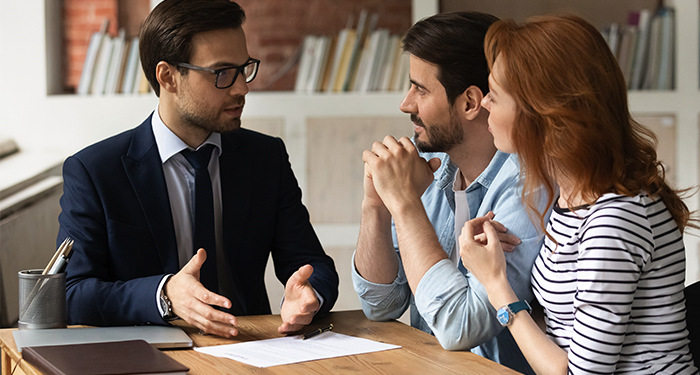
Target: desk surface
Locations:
point(420, 352)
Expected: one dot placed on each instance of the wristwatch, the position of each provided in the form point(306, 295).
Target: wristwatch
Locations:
point(505, 313)
point(165, 305)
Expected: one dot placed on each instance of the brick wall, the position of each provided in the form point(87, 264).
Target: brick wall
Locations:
point(274, 28)
point(80, 19)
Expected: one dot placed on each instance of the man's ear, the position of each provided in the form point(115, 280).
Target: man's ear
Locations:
point(470, 102)
point(166, 76)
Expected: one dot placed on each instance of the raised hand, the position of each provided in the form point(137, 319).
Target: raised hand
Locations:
point(192, 301)
point(300, 302)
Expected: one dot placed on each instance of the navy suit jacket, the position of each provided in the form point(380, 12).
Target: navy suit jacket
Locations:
point(115, 206)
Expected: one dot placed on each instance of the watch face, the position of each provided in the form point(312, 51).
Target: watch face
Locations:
point(503, 316)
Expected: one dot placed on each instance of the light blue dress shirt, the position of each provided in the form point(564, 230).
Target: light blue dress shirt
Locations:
point(449, 302)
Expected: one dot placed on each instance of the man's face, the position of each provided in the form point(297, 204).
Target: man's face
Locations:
point(200, 104)
point(435, 123)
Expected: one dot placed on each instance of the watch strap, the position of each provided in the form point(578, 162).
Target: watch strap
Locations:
point(166, 304)
point(515, 307)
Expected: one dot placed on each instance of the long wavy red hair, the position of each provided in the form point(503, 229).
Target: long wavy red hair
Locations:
point(572, 119)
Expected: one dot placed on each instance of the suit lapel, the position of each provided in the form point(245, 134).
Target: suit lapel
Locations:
point(144, 168)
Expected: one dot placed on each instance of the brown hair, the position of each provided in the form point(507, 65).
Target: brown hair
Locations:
point(455, 43)
point(167, 32)
point(572, 117)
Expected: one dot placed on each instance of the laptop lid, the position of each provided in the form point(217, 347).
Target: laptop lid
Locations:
point(161, 337)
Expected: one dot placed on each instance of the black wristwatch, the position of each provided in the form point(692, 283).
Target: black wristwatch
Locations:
point(165, 305)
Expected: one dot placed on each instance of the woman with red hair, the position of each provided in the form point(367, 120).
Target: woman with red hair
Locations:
point(611, 273)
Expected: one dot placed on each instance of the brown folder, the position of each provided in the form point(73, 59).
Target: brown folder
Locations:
point(107, 358)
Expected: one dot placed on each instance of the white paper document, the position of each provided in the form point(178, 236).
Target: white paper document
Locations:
point(292, 349)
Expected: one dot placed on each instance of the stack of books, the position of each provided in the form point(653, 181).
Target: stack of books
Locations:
point(112, 65)
point(361, 59)
point(645, 48)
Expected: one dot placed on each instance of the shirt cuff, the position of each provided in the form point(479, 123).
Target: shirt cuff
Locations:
point(374, 293)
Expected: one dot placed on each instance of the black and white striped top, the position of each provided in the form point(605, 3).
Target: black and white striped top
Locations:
point(612, 288)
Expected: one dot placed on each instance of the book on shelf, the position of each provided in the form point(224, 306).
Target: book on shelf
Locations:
point(342, 63)
point(307, 56)
point(628, 39)
point(93, 51)
point(99, 77)
point(144, 86)
point(339, 79)
point(668, 42)
point(644, 48)
point(318, 63)
point(340, 46)
point(132, 67)
point(115, 63)
point(651, 76)
point(132, 357)
point(122, 67)
point(391, 64)
point(640, 53)
point(325, 77)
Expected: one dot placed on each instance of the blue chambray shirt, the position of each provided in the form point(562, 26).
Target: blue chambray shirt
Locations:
point(450, 303)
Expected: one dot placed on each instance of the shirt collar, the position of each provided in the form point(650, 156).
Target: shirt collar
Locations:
point(170, 144)
point(447, 176)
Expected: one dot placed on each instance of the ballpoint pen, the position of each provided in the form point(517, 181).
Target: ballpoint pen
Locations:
point(316, 332)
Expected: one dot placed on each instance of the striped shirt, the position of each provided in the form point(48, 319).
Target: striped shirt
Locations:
point(612, 287)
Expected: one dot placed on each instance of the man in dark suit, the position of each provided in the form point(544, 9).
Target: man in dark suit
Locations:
point(177, 217)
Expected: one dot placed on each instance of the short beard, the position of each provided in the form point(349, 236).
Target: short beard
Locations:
point(208, 122)
point(210, 125)
point(440, 138)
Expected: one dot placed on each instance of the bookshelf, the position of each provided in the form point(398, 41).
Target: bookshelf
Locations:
point(42, 122)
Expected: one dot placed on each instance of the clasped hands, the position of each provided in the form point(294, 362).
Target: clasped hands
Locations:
point(395, 174)
point(193, 302)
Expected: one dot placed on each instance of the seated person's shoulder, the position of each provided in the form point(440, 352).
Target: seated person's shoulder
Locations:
point(107, 150)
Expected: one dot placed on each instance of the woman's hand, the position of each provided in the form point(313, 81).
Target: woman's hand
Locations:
point(482, 252)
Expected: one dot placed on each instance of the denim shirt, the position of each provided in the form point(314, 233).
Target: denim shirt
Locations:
point(449, 302)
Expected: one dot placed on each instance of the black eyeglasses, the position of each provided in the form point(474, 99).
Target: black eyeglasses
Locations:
point(225, 77)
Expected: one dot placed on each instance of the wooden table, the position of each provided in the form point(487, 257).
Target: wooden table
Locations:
point(420, 353)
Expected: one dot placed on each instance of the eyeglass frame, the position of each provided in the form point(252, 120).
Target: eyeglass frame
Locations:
point(239, 71)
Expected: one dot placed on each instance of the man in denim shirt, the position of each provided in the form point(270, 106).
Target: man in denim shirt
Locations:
point(422, 267)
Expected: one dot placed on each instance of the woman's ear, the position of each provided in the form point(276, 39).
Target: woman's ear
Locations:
point(165, 74)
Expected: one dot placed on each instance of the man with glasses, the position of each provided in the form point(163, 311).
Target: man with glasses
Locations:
point(178, 216)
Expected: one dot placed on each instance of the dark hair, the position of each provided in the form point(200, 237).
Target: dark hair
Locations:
point(455, 43)
point(572, 117)
point(167, 32)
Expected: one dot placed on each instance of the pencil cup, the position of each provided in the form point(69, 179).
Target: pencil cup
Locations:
point(42, 300)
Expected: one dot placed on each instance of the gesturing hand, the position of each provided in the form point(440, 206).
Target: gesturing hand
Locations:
point(191, 300)
point(399, 174)
point(300, 302)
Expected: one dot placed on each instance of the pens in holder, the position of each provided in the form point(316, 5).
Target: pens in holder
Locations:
point(316, 332)
point(58, 264)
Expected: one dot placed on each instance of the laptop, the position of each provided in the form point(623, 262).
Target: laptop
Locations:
point(161, 337)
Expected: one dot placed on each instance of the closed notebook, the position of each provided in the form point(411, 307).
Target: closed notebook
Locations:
point(108, 358)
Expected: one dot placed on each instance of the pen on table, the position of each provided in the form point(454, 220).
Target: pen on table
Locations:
point(316, 332)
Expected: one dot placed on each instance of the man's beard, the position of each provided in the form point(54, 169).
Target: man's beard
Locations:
point(441, 138)
point(209, 121)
